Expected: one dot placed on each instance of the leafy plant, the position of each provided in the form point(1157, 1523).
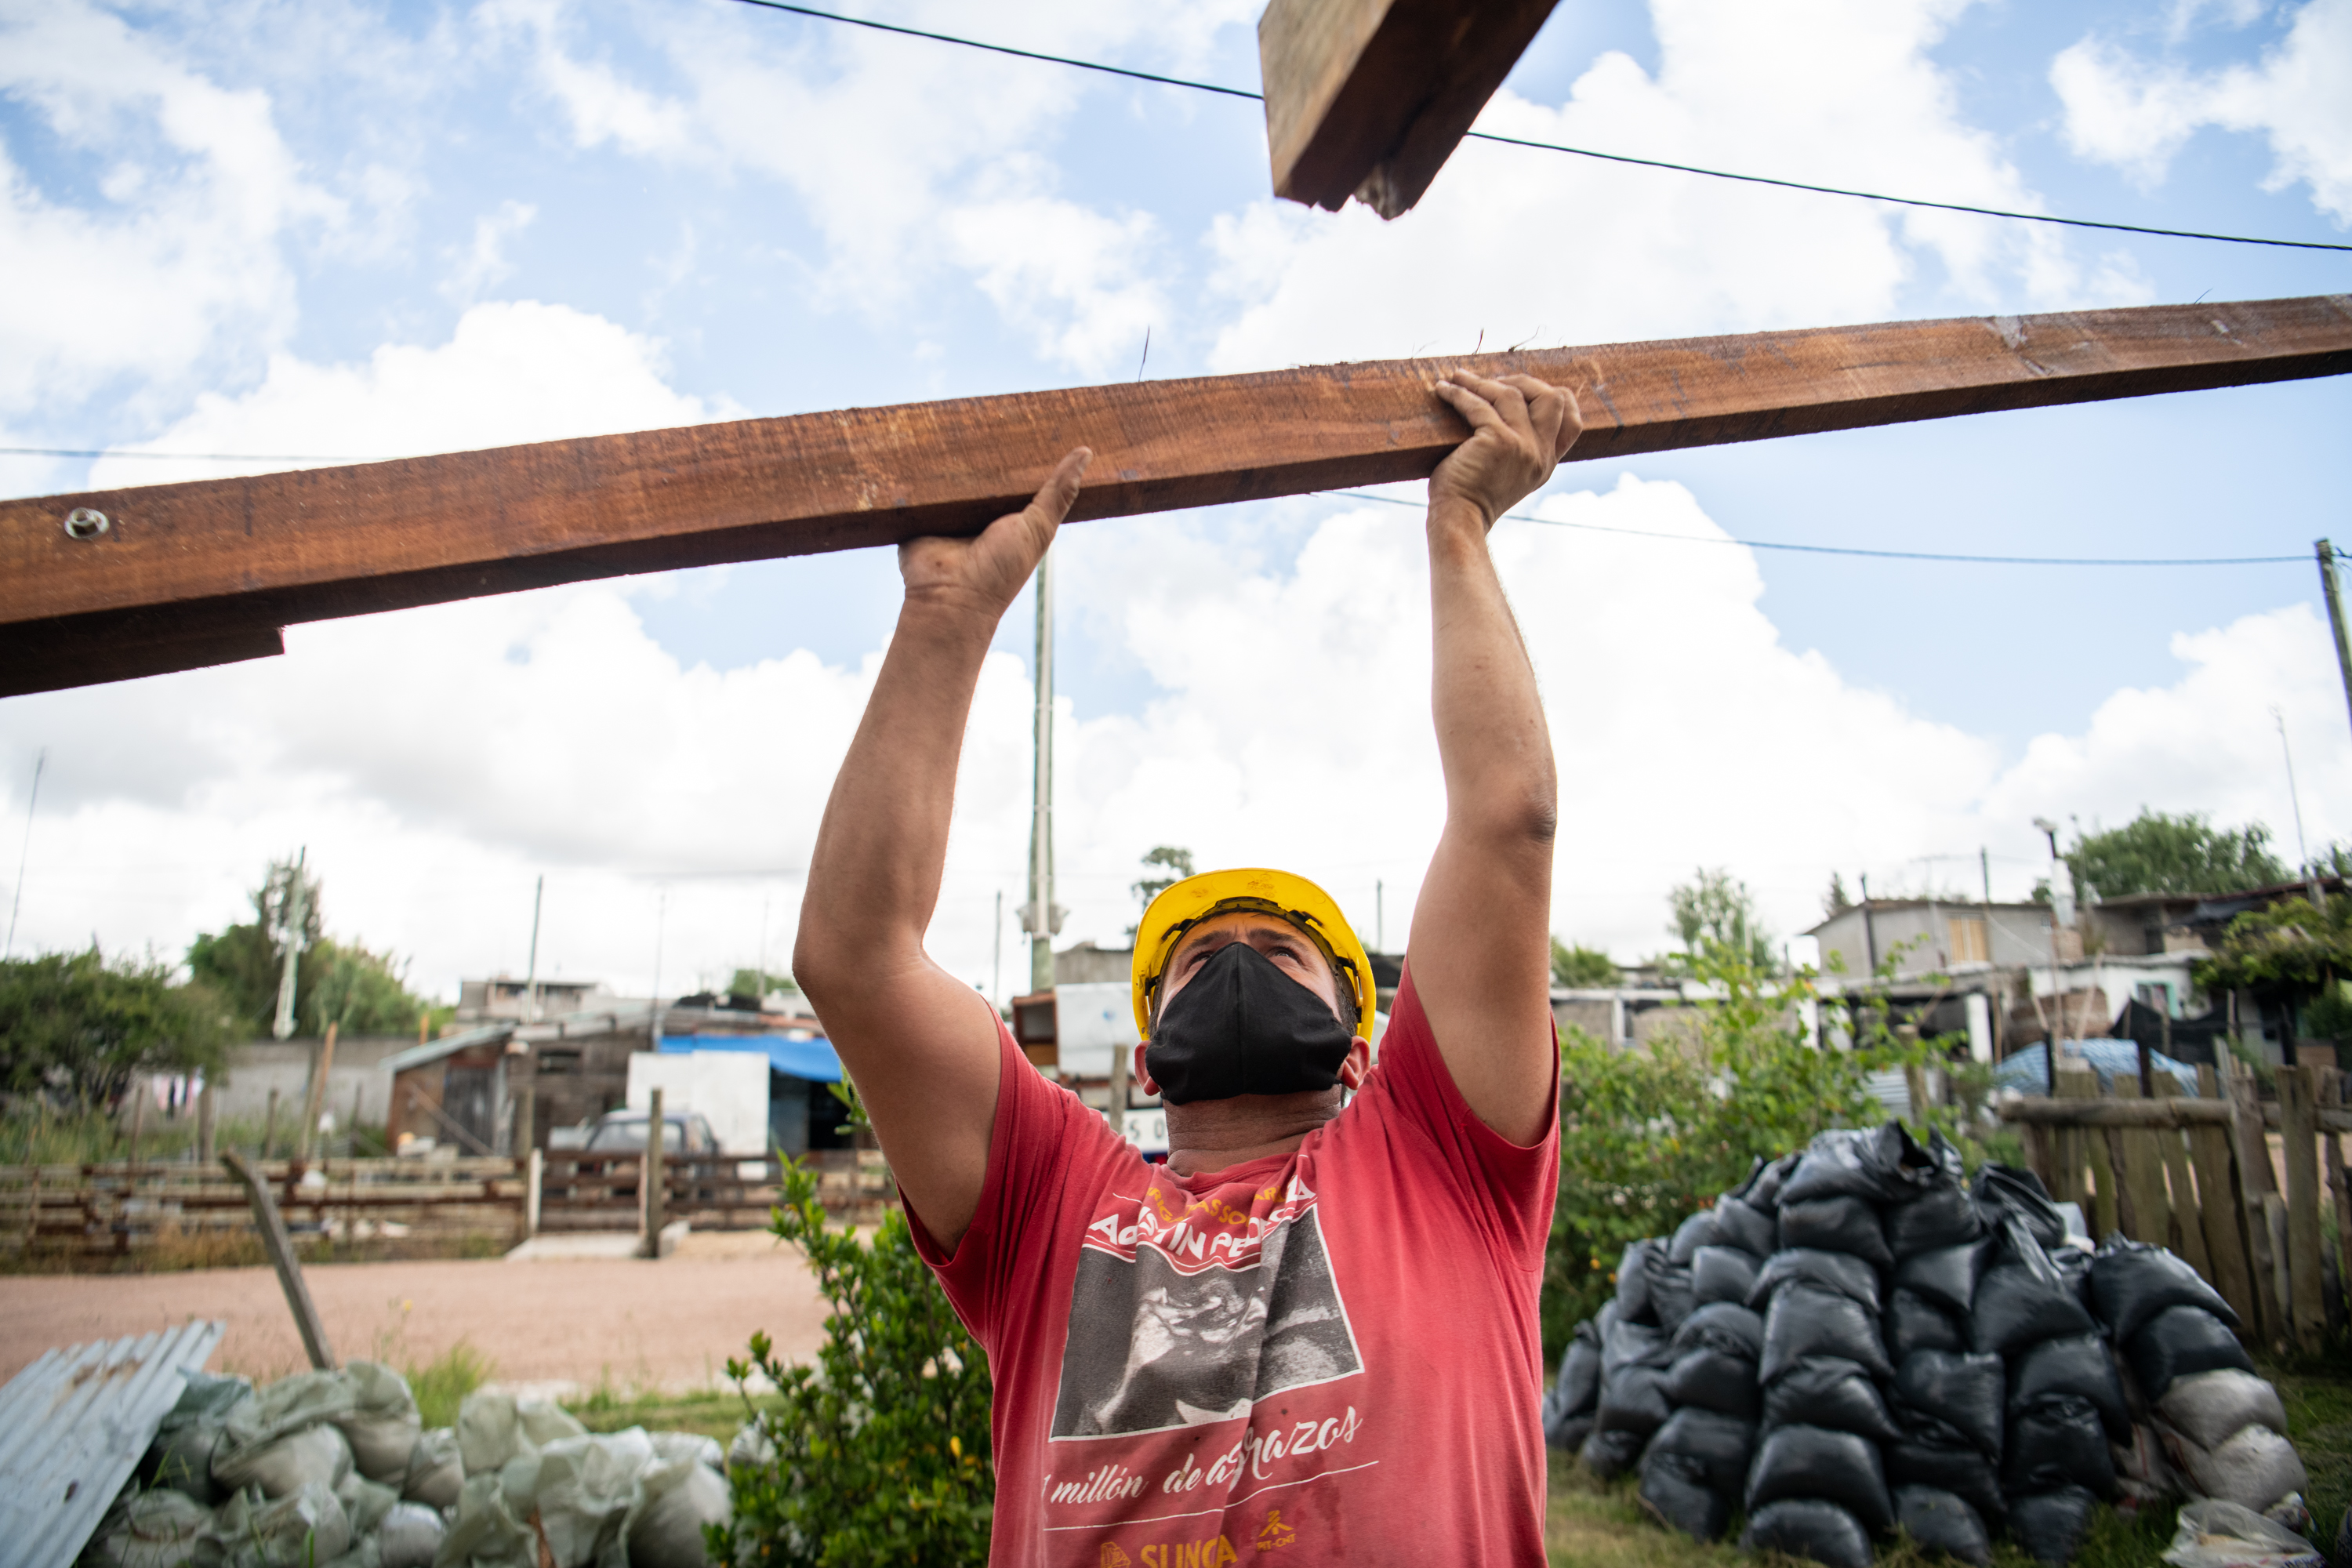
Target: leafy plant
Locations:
point(75, 1027)
point(2291, 947)
point(1716, 919)
point(2155, 853)
point(345, 983)
point(1581, 968)
point(880, 1452)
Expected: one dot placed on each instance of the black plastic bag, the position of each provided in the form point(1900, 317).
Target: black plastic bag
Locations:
point(1634, 1283)
point(2179, 1342)
point(2024, 1298)
point(1723, 1274)
point(1942, 1217)
point(1941, 1522)
point(1806, 1526)
point(1877, 1164)
point(1672, 1491)
point(1609, 1453)
point(1633, 1400)
point(2051, 1525)
point(1840, 1272)
point(1933, 1455)
point(1836, 1224)
point(1738, 1223)
point(1691, 1235)
point(1708, 1379)
point(2080, 1367)
point(1718, 1445)
point(1946, 1276)
point(1964, 1392)
point(2073, 1265)
point(1669, 1294)
point(2008, 1191)
point(1763, 1190)
point(1630, 1344)
point(1825, 1391)
point(2057, 1442)
point(1808, 1320)
point(2132, 1282)
point(1569, 1432)
point(1575, 1392)
point(1915, 1323)
point(1813, 1462)
point(1722, 1325)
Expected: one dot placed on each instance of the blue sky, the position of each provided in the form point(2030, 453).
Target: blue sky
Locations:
point(351, 229)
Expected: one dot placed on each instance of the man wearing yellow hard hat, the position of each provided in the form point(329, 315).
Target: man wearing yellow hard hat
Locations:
point(1311, 1334)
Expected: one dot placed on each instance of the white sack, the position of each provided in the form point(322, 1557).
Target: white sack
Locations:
point(383, 1423)
point(2253, 1468)
point(160, 1529)
point(665, 1530)
point(295, 1531)
point(435, 1472)
point(2212, 1407)
point(283, 1466)
point(2217, 1535)
point(409, 1536)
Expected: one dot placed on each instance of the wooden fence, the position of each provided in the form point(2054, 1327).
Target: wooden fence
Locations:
point(96, 1210)
point(2234, 1183)
point(118, 1209)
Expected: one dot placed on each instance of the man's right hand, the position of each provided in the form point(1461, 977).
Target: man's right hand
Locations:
point(986, 574)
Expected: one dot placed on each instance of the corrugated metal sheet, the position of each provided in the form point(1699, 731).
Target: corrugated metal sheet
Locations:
point(73, 1425)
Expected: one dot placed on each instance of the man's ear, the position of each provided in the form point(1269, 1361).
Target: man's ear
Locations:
point(1358, 1065)
point(1141, 1074)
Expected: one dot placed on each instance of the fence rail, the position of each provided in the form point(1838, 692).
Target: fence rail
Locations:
point(2233, 1183)
point(581, 1191)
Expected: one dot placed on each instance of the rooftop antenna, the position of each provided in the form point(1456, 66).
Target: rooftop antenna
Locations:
point(25, 854)
point(2295, 797)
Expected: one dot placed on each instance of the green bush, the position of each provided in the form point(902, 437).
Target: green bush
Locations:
point(1649, 1136)
point(880, 1452)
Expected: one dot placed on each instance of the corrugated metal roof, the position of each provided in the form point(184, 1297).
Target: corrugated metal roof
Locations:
point(432, 1051)
point(73, 1425)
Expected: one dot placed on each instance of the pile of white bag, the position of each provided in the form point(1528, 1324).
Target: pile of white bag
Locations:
point(334, 1470)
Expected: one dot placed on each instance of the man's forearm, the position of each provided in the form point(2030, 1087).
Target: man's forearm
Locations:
point(874, 878)
point(1493, 744)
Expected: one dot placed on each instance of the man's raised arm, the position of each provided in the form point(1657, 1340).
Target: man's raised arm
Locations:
point(1481, 943)
point(920, 1045)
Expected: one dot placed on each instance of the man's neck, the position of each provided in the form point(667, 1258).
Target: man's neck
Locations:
point(1212, 1135)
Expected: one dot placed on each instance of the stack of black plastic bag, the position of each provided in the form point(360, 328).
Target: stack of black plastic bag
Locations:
point(1635, 1350)
point(2220, 1427)
point(1569, 1409)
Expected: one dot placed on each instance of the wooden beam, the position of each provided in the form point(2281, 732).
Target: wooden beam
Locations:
point(187, 574)
point(280, 1248)
point(1369, 98)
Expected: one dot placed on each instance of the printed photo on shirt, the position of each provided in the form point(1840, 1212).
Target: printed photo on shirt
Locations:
point(1152, 1348)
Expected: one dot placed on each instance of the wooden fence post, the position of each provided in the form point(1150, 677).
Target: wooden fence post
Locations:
point(2150, 1219)
point(537, 1169)
point(280, 1249)
point(2251, 1153)
point(653, 1185)
point(2331, 1092)
point(2299, 1137)
point(2218, 1206)
point(2188, 1236)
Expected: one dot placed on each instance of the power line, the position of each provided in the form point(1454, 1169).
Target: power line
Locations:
point(1558, 146)
point(1874, 554)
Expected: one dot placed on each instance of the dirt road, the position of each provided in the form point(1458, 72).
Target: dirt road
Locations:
point(668, 1326)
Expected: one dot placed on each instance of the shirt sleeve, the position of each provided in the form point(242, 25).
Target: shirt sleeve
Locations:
point(1047, 1156)
point(1507, 1187)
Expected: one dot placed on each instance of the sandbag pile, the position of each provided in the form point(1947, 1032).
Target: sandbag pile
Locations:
point(334, 1470)
point(2219, 1426)
point(1855, 1340)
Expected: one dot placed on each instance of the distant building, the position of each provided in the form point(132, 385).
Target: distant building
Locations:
point(504, 996)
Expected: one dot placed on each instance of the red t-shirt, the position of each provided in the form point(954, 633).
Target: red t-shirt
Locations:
point(1325, 1356)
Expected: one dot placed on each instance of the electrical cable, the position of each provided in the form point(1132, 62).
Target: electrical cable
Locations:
point(1563, 147)
point(1874, 554)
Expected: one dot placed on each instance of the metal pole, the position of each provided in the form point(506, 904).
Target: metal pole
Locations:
point(2336, 616)
point(654, 1183)
point(25, 854)
point(2295, 797)
point(1040, 914)
point(294, 912)
point(531, 968)
point(996, 976)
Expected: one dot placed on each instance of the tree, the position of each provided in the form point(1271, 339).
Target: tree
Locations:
point(2160, 854)
point(1581, 968)
point(1178, 865)
point(76, 1026)
point(1835, 901)
point(758, 983)
point(344, 983)
point(1714, 917)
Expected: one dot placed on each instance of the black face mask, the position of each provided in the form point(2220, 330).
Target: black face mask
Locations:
point(1243, 1027)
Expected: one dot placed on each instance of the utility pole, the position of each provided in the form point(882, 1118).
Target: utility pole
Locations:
point(25, 856)
point(2336, 616)
point(1984, 866)
point(1042, 919)
point(531, 967)
point(1381, 913)
point(293, 910)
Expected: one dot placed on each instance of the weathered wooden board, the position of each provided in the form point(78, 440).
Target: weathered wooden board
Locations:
point(1369, 98)
point(195, 574)
point(2188, 1236)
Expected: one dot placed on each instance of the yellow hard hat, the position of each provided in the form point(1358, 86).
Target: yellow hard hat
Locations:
point(1185, 904)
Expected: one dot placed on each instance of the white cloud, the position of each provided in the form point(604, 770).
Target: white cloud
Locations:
point(182, 255)
point(1074, 282)
point(2136, 112)
point(483, 265)
point(1514, 244)
point(511, 372)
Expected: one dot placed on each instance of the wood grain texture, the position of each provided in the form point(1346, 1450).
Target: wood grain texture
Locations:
point(2217, 1209)
point(2298, 1090)
point(185, 571)
point(2188, 1236)
point(1369, 98)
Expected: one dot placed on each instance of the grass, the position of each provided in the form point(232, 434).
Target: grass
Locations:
point(177, 1253)
point(713, 1413)
point(440, 1383)
point(95, 1137)
point(1597, 1524)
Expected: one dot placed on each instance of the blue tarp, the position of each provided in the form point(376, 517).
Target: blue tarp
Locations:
point(2028, 1071)
point(799, 1056)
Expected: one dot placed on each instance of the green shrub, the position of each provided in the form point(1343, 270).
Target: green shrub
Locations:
point(880, 1452)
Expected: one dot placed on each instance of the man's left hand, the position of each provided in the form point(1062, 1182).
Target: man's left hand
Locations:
point(1519, 429)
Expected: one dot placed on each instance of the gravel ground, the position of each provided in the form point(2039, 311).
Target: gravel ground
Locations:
point(555, 1326)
